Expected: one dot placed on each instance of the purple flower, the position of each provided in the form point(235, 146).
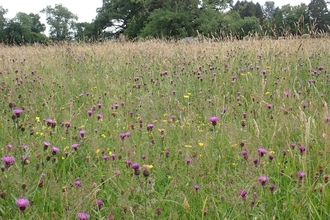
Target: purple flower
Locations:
point(90, 112)
point(83, 216)
point(269, 106)
point(55, 150)
point(150, 127)
point(105, 157)
point(301, 175)
point(243, 193)
point(302, 149)
point(75, 146)
point(174, 92)
point(9, 160)
point(50, 122)
point(99, 116)
point(9, 146)
point(263, 180)
point(197, 187)
point(18, 112)
point(159, 211)
point(82, 133)
point(272, 187)
point(22, 203)
point(245, 154)
point(46, 145)
point(188, 161)
point(214, 120)
point(320, 67)
point(128, 163)
point(262, 151)
point(99, 203)
point(135, 166)
point(99, 105)
point(77, 182)
point(113, 156)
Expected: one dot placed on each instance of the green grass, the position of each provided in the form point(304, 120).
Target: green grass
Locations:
point(211, 79)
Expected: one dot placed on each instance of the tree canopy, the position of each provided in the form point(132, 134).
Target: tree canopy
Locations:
point(168, 19)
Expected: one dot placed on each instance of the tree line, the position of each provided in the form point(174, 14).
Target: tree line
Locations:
point(168, 19)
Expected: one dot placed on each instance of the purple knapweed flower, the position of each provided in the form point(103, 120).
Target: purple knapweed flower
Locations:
point(174, 92)
point(82, 133)
point(302, 149)
point(105, 157)
point(245, 154)
point(99, 105)
point(196, 187)
point(55, 150)
point(113, 156)
point(18, 112)
point(90, 112)
point(83, 216)
point(128, 163)
point(9, 146)
point(243, 193)
point(214, 120)
point(99, 116)
point(293, 145)
point(46, 145)
point(262, 151)
point(158, 211)
point(188, 161)
point(269, 106)
point(150, 127)
point(22, 203)
point(301, 175)
point(272, 187)
point(263, 180)
point(9, 160)
point(99, 203)
point(75, 146)
point(135, 166)
point(77, 182)
point(320, 67)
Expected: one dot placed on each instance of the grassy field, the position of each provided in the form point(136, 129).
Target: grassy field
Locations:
point(156, 130)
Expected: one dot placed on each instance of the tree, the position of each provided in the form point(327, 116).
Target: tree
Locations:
point(21, 28)
point(319, 14)
point(62, 22)
point(37, 26)
point(3, 23)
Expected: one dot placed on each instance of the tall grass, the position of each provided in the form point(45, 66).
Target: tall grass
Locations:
point(150, 103)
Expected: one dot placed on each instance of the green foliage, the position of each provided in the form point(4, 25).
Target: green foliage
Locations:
point(319, 14)
point(24, 28)
point(61, 21)
point(3, 23)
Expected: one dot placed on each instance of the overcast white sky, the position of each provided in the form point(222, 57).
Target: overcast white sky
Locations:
point(86, 10)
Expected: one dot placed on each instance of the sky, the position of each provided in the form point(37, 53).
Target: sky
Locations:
point(85, 10)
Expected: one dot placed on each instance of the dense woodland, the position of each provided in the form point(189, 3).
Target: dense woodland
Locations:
point(168, 19)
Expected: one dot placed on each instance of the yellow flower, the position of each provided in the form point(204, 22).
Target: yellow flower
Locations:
point(37, 133)
point(268, 67)
point(103, 135)
point(189, 93)
point(165, 115)
point(267, 93)
point(66, 147)
point(169, 177)
point(37, 119)
point(242, 74)
point(234, 145)
point(186, 97)
point(271, 152)
point(97, 151)
point(188, 146)
point(164, 121)
point(41, 134)
point(200, 144)
point(151, 166)
point(110, 153)
point(249, 73)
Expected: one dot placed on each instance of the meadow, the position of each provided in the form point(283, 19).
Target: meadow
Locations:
point(161, 130)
